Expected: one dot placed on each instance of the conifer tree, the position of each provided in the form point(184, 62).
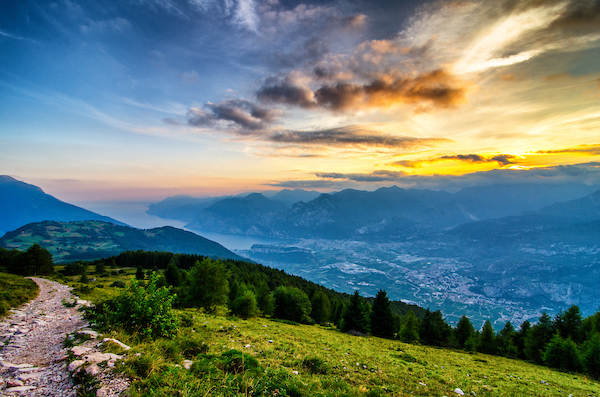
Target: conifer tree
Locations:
point(434, 330)
point(356, 316)
point(139, 274)
point(172, 273)
point(591, 355)
point(382, 317)
point(562, 354)
point(409, 332)
point(487, 340)
point(538, 337)
point(321, 307)
point(520, 337)
point(463, 331)
point(568, 324)
point(505, 341)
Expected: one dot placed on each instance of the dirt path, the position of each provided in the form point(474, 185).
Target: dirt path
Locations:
point(32, 356)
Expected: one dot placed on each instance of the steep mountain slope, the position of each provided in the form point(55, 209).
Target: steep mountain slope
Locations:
point(23, 203)
point(181, 207)
point(586, 208)
point(251, 215)
point(96, 239)
point(291, 197)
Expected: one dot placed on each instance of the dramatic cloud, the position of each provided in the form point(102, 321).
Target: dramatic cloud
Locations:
point(583, 149)
point(587, 173)
point(351, 136)
point(239, 113)
point(436, 88)
point(374, 176)
point(501, 159)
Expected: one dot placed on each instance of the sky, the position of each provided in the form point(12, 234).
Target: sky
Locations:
point(144, 99)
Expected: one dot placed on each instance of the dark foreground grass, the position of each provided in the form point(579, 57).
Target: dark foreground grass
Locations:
point(14, 291)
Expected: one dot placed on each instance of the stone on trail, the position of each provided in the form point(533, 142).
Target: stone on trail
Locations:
point(93, 369)
point(113, 340)
point(19, 389)
point(79, 350)
point(89, 332)
point(14, 383)
point(75, 364)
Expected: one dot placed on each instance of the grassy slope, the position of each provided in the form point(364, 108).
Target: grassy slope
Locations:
point(14, 291)
point(85, 240)
point(357, 366)
point(384, 367)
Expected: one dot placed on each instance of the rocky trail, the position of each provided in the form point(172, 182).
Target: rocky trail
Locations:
point(33, 359)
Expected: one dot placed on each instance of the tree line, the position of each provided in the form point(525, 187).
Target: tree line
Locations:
point(35, 261)
point(567, 342)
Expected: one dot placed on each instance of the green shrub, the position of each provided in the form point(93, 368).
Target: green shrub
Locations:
point(118, 284)
point(315, 365)
point(147, 311)
point(192, 346)
point(235, 362)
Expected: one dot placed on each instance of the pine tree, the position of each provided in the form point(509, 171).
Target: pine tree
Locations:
point(487, 340)
point(568, 324)
point(139, 274)
point(562, 354)
point(434, 330)
point(520, 337)
point(172, 273)
point(382, 317)
point(536, 340)
point(356, 316)
point(321, 307)
point(464, 330)
point(505, 341)
point(591, 355)
point(409, 332)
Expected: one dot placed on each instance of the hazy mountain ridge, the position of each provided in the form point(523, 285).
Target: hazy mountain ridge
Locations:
point(23, 203)
point(84, 240)
point(385, 212)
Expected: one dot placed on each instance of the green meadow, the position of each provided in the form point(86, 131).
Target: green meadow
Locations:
point(265, 357)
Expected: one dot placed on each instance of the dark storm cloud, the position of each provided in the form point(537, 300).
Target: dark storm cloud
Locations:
point(240, 112)
point(437, 88)
point(287, 93)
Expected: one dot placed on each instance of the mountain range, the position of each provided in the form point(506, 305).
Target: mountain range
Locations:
point(23, 203)
point(505, 252)
point(351, 213)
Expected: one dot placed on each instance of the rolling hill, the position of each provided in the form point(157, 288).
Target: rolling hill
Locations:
point(84, 240)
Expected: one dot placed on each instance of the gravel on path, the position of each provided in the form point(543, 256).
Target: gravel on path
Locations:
point(33, 361)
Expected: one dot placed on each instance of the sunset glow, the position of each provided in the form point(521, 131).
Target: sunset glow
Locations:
point(149, 99)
